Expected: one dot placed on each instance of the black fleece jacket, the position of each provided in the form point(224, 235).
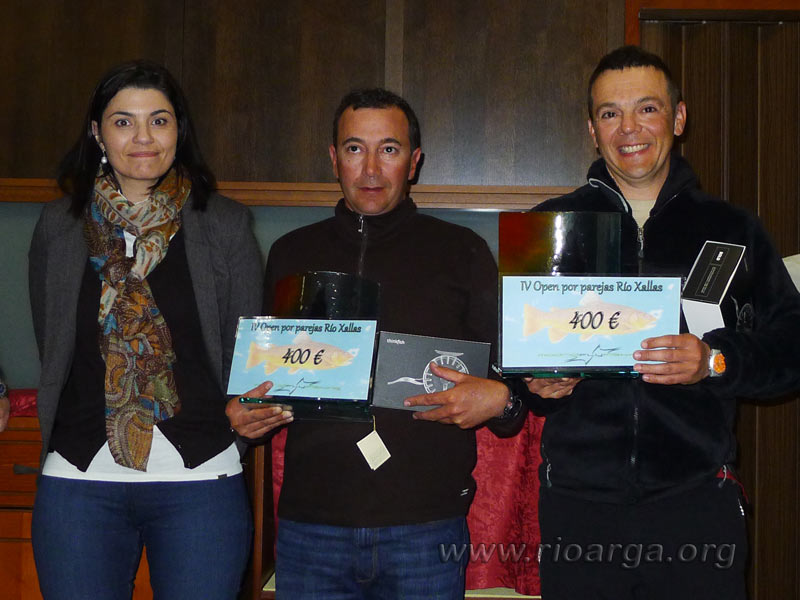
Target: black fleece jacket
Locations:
point(437, 279)
point(627, 440)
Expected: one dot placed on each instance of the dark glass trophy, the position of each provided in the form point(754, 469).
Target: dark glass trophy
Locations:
point(566, 310)
point(560, 243)
point(335, 296)
point(326, 295)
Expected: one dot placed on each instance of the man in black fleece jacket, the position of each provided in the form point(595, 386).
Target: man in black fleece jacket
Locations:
point(638, 496)
point(345, 530)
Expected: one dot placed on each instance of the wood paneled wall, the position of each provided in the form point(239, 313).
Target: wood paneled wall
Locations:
point(741, 82)
point(500, 95)
point(498, 85)
point(52, 53)
point(265, 78)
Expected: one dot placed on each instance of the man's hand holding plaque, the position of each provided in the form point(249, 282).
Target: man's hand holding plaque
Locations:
point(254, 420)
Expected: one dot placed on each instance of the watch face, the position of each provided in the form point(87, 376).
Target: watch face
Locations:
point(717, 363)
point(432, 383)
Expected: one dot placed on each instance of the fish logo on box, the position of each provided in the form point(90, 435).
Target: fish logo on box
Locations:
point(431, 382)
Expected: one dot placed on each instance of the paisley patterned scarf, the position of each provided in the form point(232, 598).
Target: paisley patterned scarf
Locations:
point(135, 342)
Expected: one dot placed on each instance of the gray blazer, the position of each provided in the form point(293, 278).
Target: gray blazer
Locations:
point(224, 263)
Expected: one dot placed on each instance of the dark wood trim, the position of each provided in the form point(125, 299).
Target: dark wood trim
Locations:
point(258, 474)
point(749, 16)
point(632, 31)
point(257, 193)
point(635, 10)
point(28, 190)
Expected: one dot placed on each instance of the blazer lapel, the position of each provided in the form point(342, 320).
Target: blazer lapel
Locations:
point(201, 268)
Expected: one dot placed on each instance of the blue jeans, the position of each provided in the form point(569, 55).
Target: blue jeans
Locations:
point(404, 562)
point(88, 538)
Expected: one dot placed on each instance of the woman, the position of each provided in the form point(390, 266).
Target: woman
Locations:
point(137, 280)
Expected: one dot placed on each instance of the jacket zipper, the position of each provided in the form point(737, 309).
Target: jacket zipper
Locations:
point(640, 236)
point(626, 206)
point(362, 229)
point(641, 231)
point(548, 467)
point(634, 457)
point(635, 448)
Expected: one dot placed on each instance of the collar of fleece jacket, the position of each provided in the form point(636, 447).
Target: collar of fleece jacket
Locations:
point(682, 218)
point(681, 177)
point(378, 228)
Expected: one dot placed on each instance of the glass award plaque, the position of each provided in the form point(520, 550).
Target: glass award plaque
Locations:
point(565, 309)
point(331, 301)
point(324, 361)
point(558, 326)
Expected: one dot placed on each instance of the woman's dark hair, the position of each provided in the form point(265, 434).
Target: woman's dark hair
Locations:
point(78, 169)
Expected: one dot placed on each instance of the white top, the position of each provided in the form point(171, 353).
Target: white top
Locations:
point(165, 464)
point(641, 210)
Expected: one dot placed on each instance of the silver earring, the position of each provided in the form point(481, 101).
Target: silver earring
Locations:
point(104, 159)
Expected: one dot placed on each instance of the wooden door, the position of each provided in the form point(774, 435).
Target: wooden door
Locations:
point(741, 83)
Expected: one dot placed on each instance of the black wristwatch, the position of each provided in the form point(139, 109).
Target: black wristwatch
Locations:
point(513, 406)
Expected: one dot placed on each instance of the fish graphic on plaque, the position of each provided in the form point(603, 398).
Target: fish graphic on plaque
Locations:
point(595, 316)
point(302, 353)
point(307, 364)
point(556, 326)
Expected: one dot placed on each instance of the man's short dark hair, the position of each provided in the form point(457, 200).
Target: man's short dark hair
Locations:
point(377, 98)
point(633, 56)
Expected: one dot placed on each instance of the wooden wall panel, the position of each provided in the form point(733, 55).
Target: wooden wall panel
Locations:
point(703, 89)
point(703, 86)
point(741, 168)
point(500, 95)
point(774, 493)
point(777, 483)
point(701, 10)
point(780, 133)
point(264, 79)
point(739, 136)
point(53, 53)
point(742, 85)
point(665, 40)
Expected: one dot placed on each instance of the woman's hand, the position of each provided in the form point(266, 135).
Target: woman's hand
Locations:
point(256, 420)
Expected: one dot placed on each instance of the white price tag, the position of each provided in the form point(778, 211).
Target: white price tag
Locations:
point(374, 450)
